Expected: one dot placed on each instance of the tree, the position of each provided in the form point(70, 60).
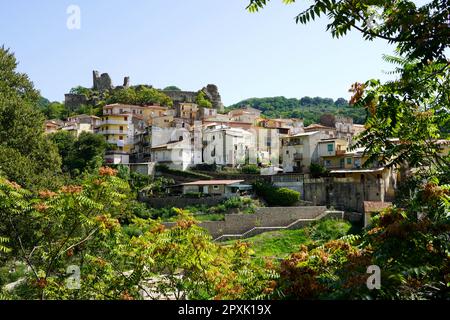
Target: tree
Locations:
point(79, 225)
point(406, 242)
point(141, 95)
point(65, 141)
point(202, 100)
point(328, 120)
point(172, 88)
point(341, 102)
point(415, 106)
point(87, 153)
point(26, 155)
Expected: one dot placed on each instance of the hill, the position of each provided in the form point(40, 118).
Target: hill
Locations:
point(310, 109)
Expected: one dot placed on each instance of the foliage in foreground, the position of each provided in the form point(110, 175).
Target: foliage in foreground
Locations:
point(82, 225)
point(411, 246)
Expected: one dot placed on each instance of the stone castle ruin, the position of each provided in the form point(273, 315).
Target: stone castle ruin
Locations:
point(211, 91)
point(103, 83)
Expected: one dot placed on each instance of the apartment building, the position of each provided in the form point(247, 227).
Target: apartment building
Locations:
point(299, 151)
point(224, 145)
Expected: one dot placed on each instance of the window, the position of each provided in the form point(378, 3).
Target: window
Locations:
point(349, 160)
point(330, 147)
point(327, 163)
point(216, 187)
point(181, 153)
point(125, 118)
point(121, 128)
point(287, 151)
point(120, 137)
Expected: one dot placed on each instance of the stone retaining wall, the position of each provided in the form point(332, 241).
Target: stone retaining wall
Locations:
point(264, 217)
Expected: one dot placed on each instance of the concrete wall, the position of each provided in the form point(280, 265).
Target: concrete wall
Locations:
point(264, 217)
point(347, 193)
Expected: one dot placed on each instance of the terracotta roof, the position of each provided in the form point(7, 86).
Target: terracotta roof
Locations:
point(375, 206)
point(317, 126)
point(303, 134)
point(211, 182)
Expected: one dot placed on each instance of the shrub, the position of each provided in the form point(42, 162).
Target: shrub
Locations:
point(317, 170)
point(285, 197)
point(251, 169)
point(329, 229)
point(206, 167)
point(276, 196)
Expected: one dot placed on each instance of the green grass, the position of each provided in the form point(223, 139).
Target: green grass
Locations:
point(280, 244)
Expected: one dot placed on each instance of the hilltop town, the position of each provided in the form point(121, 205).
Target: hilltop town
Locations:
point(320, 161)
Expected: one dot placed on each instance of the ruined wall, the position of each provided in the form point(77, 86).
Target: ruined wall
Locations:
point(211, 91)
point(342, 193)
point(346, 194)
point(73, 101)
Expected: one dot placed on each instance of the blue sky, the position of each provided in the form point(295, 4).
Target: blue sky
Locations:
point(188, 44)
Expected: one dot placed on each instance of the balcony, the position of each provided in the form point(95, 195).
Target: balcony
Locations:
point(113, 132)
point(125, 142)
point(121, 122)
point(298, 156)
point(293, 143)
point(340, 152)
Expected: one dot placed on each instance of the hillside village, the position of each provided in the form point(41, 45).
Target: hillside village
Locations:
point(319, 161)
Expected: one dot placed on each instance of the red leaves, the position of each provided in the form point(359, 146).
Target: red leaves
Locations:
point(46, 194)
point(107, 171)
point(72, 189)
point(358, 90)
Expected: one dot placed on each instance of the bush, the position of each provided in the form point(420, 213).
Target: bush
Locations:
point(251, 169)
point(329, 229)
point(276, 196)
point(285, 197)
point(206, 167)
point(317, 170)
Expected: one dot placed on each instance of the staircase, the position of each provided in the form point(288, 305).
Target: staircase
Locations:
point(297, 224)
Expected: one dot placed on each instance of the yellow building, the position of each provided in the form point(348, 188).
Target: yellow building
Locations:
point(120, 130)
point(333, 153)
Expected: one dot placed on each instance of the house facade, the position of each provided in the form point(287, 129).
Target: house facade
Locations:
point(299, 151)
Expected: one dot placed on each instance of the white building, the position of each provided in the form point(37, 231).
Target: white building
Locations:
point(299, 151)
point(228, 146)
point(176, 155)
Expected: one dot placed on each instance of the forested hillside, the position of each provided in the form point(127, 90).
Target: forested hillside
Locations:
point(310, 109)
